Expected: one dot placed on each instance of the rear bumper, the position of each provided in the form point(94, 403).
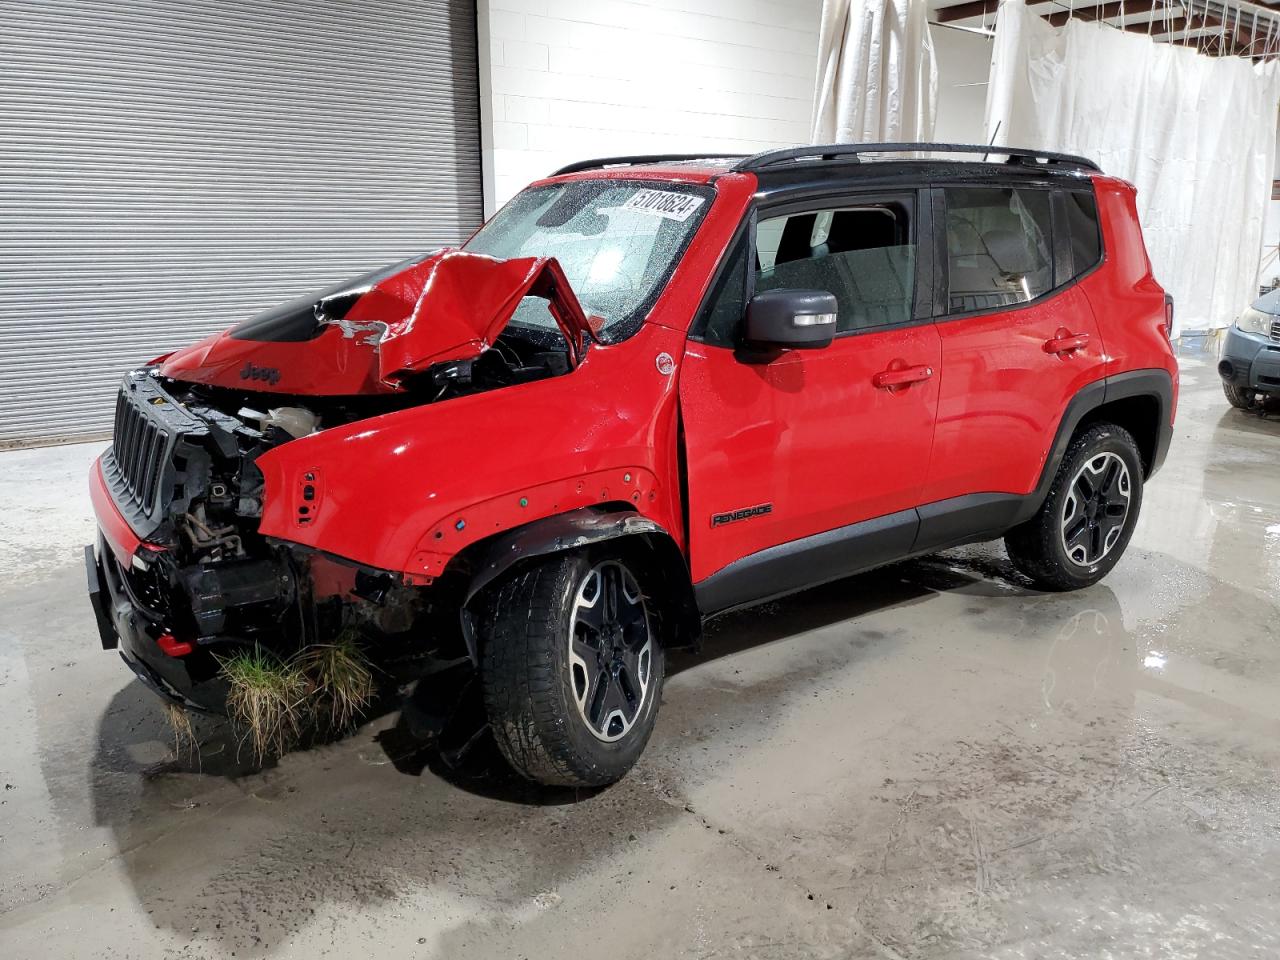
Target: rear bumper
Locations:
point(1250, 361)
point(129, 626)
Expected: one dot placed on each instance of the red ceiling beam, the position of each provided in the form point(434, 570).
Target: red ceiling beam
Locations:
point(1105, 11)
point(1237, 35)
point(967, 11)
point(1242, 35)
point(1160, 28)
point(1205, 45)
point(1173, 32)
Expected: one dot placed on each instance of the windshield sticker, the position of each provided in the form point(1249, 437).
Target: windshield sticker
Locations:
point(662, 203)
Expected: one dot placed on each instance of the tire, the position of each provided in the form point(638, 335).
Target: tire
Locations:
point(1238, 397)
point(1076, 538)
point(550, 715)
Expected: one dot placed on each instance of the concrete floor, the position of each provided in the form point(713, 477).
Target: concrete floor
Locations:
point(929, 761)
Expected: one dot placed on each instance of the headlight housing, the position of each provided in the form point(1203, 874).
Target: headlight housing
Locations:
point(1255, 321)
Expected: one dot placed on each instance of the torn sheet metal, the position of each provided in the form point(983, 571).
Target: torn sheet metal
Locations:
point(458, 303)
point(367, 335)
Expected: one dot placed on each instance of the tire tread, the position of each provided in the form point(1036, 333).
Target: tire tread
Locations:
point(523, 688)
point(1032, 546)
point(1238, 397)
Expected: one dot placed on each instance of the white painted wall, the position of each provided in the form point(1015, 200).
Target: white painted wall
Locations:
point(564, 80)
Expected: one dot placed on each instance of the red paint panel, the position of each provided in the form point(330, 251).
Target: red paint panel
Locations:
point(124, 543)
point(637, 487)
point(332, 365)
point(1124, 292)
point(1003, 394)
point(392, 480)
point(809, 433)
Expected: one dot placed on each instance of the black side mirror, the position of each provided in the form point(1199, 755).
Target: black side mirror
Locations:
point(791, 319)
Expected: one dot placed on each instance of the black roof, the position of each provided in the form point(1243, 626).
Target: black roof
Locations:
point(852, 153)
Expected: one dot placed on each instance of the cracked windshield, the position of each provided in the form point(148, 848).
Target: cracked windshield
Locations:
point(616, 242)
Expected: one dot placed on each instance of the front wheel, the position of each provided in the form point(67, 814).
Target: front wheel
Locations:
point(1084, 524)
point(572, 668)
point(1238, 397)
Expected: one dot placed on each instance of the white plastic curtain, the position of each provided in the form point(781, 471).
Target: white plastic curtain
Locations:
point(1195, 134)
point(877, 77)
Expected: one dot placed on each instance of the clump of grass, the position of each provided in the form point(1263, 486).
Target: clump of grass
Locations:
point(340, 675)
point(184, 735)
point(266, 699)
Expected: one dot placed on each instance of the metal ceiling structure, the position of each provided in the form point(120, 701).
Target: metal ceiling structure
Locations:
point(1214, 27)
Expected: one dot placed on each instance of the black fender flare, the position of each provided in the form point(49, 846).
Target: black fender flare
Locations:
point(489, 559)
point(1158, 385)
point(1154, 383)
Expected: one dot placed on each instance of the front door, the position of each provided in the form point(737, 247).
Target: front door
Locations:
point(785, 455)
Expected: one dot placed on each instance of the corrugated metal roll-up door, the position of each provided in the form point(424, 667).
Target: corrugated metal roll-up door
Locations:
point(169, 168)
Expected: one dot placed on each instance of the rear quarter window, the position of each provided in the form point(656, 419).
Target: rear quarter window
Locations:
point(1082, 228)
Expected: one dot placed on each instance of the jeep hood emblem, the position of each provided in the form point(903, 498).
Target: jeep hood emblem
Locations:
point(266, 374)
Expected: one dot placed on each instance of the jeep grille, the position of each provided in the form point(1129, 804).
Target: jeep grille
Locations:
point(139, 454)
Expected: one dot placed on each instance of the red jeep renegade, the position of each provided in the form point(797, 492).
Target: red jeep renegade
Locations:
point(649, 390)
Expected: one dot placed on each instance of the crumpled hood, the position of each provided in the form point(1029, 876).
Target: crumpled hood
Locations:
point(367, 335)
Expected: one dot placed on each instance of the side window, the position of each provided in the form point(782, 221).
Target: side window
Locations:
point(999, 247)
point(865, 255)
point(1082, 228)
point(730, 303)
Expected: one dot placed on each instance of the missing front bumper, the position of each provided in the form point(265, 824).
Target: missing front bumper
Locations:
point(125, 625)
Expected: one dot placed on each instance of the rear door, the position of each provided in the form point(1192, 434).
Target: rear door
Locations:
point(1019, 338)
point(785, 455)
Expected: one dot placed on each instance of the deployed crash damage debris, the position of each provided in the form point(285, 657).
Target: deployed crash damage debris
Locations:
point(341, 679)
point(284, 640)
point(325, 687)
point(265, 697)
point(185, 741)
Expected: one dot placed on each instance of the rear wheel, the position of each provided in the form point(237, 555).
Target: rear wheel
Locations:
point(1085, 523)
point(1238, 397)
point(572, 668)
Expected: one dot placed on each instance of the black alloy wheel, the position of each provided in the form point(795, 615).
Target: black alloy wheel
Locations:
point(610, 650)
point(1095, 509)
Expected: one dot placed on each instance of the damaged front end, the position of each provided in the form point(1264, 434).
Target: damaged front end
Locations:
point(202, 584)
point(182, 580)
point(399, 331)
